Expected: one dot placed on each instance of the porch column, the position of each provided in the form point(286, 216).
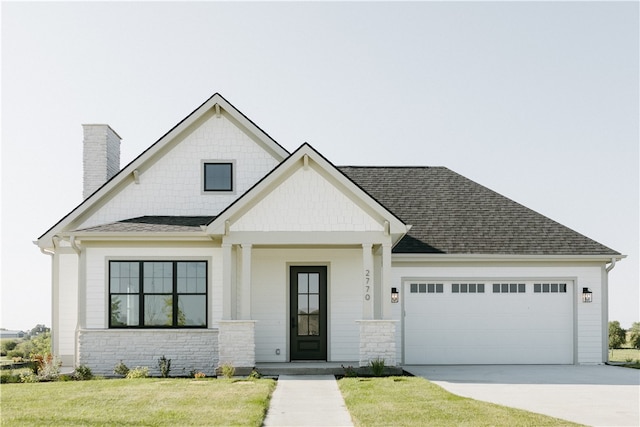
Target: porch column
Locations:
point(245, 293)
point(367, 281)
point(226, 281)
point(386, 281)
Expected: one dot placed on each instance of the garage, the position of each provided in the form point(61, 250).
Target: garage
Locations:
point(488, 322)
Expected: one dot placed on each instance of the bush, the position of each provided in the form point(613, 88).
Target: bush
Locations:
point(199, 375)
point(227, 370)
point(165, 366)
point(82, 373)
point(377, 367)
point(138, 372)
point(121, 369)
point(48, 367)
point(9, 378)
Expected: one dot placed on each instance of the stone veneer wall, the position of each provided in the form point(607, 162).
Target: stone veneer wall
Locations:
point(237, 343)
point(188, 349)
point(377, 341)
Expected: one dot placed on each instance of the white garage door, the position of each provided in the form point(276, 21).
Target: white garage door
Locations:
point(488, 322)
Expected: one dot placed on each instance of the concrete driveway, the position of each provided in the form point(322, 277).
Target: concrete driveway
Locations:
point(597, 395)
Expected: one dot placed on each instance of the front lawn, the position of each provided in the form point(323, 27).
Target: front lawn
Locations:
point(411, 401)
point(149, 402)
point(628, 356)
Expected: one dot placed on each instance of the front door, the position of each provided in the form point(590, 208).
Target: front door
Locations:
point(308, 313)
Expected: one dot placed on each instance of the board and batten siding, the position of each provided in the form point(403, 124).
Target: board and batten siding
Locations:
point(270, 300)
point(588, 333)
point(172, 185)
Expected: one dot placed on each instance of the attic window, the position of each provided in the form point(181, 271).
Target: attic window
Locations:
point(218, 176)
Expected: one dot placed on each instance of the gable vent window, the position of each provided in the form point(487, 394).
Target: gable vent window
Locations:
point(218, 176)
point(158, 294)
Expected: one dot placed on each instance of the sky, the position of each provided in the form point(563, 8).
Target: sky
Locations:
point(538, 101)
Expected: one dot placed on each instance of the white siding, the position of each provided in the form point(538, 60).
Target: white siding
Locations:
point(270, 300)
point(66, 307)
point(306, 201)
point(173, 184)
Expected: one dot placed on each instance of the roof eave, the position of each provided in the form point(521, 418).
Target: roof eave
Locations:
point(431, 257)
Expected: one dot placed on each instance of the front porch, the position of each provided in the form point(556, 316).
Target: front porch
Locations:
point(317, 368)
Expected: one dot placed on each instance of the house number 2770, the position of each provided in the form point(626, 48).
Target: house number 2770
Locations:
point(367, 287)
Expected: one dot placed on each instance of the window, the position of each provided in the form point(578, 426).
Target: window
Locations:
point(423, 288)
point(509, 288)
point(218, 176)
point(167, 294)
point(467, 288)
point(555, 288)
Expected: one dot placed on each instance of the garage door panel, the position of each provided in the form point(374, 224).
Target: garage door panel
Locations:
point(487, 328)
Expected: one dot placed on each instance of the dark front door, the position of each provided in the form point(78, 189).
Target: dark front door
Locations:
point(308, 313)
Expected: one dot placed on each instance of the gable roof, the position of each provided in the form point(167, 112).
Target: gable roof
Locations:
point(152, 224)
point(451, 214)
point(221, 106)
point(302, 158)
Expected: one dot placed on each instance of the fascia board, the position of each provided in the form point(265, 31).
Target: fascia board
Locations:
point(424, 257)
point(93, 201)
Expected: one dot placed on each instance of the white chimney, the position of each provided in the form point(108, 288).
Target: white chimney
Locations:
point(101, 156)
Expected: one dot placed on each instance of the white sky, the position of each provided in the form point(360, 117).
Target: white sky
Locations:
point(535, 100)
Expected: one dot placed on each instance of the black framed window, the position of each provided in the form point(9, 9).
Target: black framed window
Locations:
point(218, 176)
point(158, 294)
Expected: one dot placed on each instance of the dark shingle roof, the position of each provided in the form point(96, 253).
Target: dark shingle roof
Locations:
point(452, 214)
point(154, 224)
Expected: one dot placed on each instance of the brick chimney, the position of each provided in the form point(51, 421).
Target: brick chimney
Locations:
point(101, 157)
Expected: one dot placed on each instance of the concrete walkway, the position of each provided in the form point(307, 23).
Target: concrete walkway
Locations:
point(307, 400)
point(596, 395)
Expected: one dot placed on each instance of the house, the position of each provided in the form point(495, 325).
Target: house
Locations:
point(216, 245)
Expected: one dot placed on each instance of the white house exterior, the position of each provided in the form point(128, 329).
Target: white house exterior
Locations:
point(216, 245)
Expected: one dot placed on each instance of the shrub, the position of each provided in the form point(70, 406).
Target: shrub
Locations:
point(199, 375)
point(377, 367)
point(349, 372)
point(29, 377)
point(227, 370)
point(138, 372)
point(165, 366)
point(254, 374)
point(9, 378)
point(121, 369)
point(7, 345)
point(48, 367)
point(82, 373)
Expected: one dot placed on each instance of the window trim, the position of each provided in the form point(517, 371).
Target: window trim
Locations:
point(174, 293)
point(203, 183)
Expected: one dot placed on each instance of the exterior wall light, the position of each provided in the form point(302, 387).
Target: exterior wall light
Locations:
point(587, 295)
point(395, 297)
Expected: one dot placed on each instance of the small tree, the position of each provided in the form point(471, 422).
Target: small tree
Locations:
point(617, 335)
point(635, 335)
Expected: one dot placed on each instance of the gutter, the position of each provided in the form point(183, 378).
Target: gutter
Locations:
point(612, 265)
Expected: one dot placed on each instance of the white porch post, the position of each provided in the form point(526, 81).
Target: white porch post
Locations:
point(226, 281)
point(245, 294)
point(386, 281)
point(367, 281)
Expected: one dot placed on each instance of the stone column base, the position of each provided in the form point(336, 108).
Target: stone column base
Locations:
point(236, 344)
point(377, 341)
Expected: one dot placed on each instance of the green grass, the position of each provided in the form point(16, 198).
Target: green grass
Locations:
point(411, 401)
point(623, 354)
point(148, 402)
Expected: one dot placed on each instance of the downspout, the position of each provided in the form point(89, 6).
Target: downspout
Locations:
point(605, 309)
